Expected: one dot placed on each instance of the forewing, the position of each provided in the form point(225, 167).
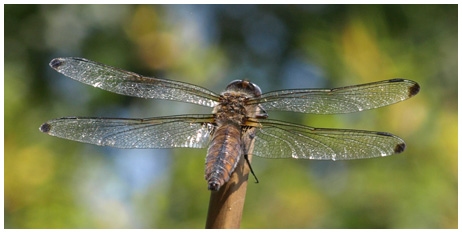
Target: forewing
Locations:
point(276, 139)
point(193, 131)
point(128, 83)
point(339, 100)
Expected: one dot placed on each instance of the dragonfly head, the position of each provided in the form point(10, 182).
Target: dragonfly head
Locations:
point(244, 86)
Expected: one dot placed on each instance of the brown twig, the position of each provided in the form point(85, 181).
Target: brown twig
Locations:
point(226, 205)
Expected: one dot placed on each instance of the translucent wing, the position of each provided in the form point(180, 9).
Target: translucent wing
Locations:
point(127, 83)
point(339, 100)
point(276, 139)
point(192, 131)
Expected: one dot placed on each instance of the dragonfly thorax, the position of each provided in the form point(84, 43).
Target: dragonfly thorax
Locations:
point(231, 108)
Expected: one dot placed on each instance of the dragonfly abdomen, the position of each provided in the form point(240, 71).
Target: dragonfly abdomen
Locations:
point(223, 155)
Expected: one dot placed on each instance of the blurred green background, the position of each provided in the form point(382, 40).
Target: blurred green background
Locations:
point(55, 183)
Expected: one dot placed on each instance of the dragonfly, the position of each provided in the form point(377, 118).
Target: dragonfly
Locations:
point(238, 125)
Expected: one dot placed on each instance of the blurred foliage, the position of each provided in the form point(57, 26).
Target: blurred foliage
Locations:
point(54, 183)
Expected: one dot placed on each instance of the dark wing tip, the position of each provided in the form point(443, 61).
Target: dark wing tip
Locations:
point(414, 89)
point(399, 148)
point(56, 63)
point(45, 128)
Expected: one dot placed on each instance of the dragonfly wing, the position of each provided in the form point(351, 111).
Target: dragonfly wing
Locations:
point(339, 100)
point(193, 131)
point(276, 139)
point(128, 83)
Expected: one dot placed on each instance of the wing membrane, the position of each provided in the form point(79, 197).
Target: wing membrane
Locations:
point(339, 100)
point(127, 83)
point(193, 131)
point(276, 139)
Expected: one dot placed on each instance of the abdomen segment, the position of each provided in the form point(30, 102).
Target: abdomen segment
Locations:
point(222, 156)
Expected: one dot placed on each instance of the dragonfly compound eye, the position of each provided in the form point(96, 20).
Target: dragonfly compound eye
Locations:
point(244, 86)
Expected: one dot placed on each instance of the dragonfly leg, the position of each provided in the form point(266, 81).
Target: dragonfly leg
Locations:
point(251, 170)
point(262, 114)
